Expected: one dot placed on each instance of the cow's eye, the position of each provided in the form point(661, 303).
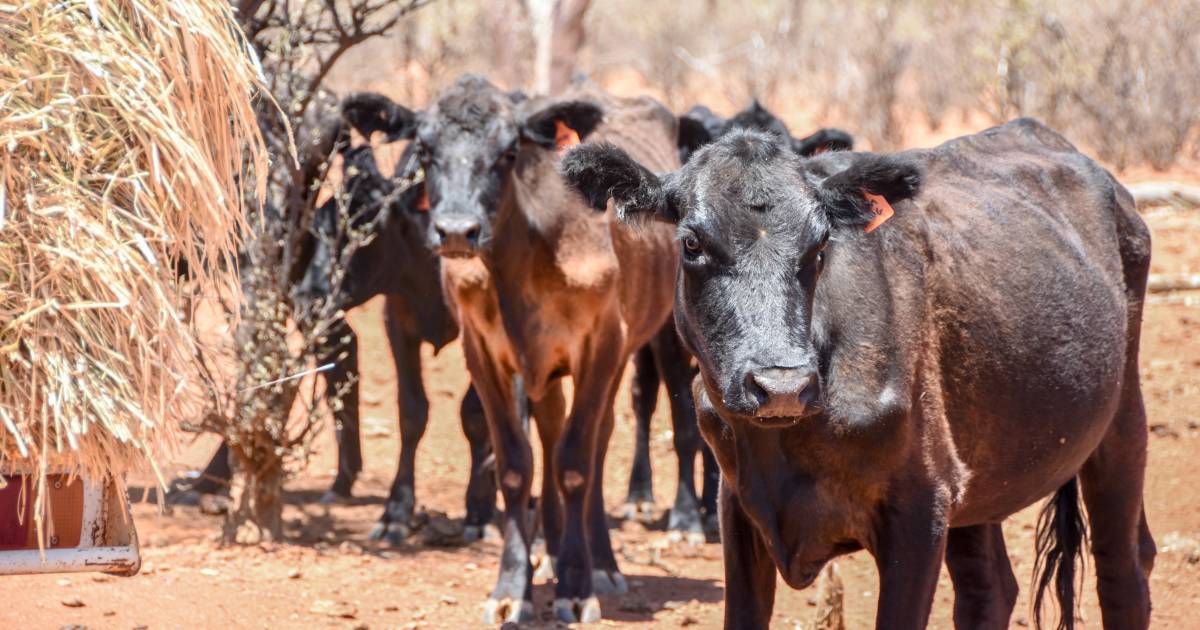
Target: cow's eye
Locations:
point(691, 246)
point(509, 156)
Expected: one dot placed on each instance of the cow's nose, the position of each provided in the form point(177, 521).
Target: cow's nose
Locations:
point(782, 391)
point(457, 235)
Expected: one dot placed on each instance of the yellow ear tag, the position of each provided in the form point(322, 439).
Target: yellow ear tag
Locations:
point(564, 137)
point(882, 209)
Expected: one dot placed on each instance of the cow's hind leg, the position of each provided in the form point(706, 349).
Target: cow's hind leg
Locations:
point(606, 576)
point(395, 523)
point(639, 501)
point(481, 486)
point(674, 364)
point(342, 381)
point(985, 589)
point(1121, 542)
point(1113, 477)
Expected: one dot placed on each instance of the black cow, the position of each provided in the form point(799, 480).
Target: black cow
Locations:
point(905, 389)
point(396, 263)
point(698, 127)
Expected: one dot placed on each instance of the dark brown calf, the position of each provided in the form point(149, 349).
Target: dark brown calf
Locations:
point(905, 390)
point(543, 289)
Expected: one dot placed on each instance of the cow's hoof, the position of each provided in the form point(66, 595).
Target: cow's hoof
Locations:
point(640, 511)
point(391, 533)
point(332, 497)
point(507, 610)
point(543, 568)
point(691, 538)
point(608, 582)
point(577, 610)
point(487, 533)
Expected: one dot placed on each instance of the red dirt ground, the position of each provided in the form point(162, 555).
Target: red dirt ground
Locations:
point(189, 581)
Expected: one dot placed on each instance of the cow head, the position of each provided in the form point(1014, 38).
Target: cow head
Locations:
point(753, 219)
point(700, 126)
point(467, 143)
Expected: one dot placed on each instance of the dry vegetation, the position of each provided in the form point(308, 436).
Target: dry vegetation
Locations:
point(1118, 76)
point(122, 144)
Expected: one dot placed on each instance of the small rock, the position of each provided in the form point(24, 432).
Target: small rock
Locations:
point(361, 626)
point(110, 613)
point(688, 620)
point(419, 615)
point(100, 577)
point(141, 626)
point(672, 605)
point(294, 574)
point(1163, 430)
point(72, 601)
point(210, 572)
point(331, 608)
point(470, 566)
point(349, 547)
point(391, 608)
point(64, 582)
point(448, 600)
point(441, 531)
point(148, 568)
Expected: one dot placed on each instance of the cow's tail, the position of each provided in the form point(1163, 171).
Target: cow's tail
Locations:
point(1061, 537)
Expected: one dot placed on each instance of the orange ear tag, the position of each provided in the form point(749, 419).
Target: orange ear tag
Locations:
point(564, 137)
point(423, 200)
point(882, 209)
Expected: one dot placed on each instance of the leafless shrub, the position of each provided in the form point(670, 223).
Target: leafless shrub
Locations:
point(254, 389)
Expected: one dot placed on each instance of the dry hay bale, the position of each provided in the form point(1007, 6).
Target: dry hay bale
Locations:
point(126, 134)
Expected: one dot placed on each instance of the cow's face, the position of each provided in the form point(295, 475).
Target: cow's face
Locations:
point(359, 207)
point(753, 221)
point(467, 144)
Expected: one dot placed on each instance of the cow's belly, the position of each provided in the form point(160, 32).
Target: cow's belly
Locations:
point(1031, 365)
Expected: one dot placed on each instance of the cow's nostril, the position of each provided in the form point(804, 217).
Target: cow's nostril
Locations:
point(472, 233)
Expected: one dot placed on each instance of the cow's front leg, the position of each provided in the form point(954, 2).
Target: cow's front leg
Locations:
point(909, 548)
point(576, 460)
point(749, 570)
point(512, 598)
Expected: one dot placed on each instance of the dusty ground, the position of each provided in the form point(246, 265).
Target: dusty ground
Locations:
point(329, 569)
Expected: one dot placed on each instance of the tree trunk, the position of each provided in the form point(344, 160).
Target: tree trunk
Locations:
point(256, 498)
point(828, 615)
point(559, 35)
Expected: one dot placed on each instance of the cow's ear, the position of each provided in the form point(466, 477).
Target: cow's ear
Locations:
point(547, 126)
point(823, 140)
point(369, 112)
point(847, 195)
point(692, 135)
point(602, 171)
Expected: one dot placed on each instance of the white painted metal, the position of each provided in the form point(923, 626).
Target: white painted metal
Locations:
point(107, 559)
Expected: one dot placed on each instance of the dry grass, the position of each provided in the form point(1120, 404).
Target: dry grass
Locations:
point(124, 130)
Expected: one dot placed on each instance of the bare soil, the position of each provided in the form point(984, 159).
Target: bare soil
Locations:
point(329, 575)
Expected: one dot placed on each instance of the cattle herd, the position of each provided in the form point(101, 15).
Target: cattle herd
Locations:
point(882, 352)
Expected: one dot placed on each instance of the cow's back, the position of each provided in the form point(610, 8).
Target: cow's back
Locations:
point(1027, 306)
point(646, 130)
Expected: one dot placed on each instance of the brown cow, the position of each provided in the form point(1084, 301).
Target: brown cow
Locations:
point(904, 386)
point(543, 289)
